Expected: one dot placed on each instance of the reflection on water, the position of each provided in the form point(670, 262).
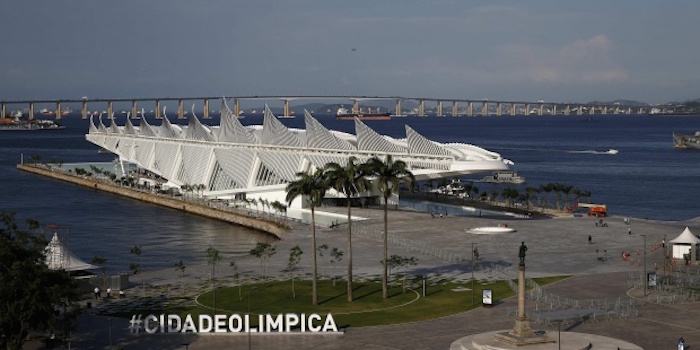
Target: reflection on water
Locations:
point(456, 210)
point(321, 218)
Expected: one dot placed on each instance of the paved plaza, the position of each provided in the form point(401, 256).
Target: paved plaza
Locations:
point(556, 246)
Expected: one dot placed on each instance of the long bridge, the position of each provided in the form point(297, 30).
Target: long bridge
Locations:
point(459, 107)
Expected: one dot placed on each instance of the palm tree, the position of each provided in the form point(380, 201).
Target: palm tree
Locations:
point(529, 190)
point(313, 187)
point(566, 190)
point(548, 188)
point(350, 181)
point(136, 268)
point(389, 175)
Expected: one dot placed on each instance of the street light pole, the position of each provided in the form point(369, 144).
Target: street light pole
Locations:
point(559, 342)
point(664, 261)
point(644, 275)
point(472, 274)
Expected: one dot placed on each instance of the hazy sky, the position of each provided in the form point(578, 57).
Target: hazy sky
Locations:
point(555, 50)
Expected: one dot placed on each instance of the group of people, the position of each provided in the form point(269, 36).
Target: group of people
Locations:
point(109, 293)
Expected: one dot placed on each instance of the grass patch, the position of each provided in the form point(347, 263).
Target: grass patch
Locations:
point(443, 298)
point(542, 281)
point(367, 309)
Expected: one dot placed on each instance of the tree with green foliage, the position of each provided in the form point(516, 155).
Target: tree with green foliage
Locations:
point(136, 268)
point(389, 175)
point(30, 292)
point(402, 262)
point(100, 261)
point(336, 256)
point(213, 258)
point(180, 266)
point(349, 180)
point(292, 264)
point(236, 277)
point(312, 187)
point(263, 251)
point(35, 159)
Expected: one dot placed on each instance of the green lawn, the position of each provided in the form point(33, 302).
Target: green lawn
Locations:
point(443, 298)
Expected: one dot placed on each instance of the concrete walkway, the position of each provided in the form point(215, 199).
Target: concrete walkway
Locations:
point(556, 246)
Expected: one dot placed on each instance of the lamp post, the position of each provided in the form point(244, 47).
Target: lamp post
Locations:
point(644, 275)
point(664, 261)
point(559, 328)
point(472, 274)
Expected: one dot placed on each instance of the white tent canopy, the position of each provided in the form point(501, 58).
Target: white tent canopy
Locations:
point(58, 257)
point(684, 243)
point(686, 237)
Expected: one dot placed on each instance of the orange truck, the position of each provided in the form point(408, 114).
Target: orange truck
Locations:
point(597, 210)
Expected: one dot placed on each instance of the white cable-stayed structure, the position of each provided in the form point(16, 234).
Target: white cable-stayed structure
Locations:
point(236, 161)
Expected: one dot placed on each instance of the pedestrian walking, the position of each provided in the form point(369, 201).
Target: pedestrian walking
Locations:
point(590, 239)
point(121, 294)
point(681, 343)
point(629, 231)
point(109, 291)
point(97, 293)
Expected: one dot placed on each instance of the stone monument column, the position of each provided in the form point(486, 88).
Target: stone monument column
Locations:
point(522, 334)
point(522, 325)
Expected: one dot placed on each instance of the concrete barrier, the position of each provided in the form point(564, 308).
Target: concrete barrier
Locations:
point(266, 226)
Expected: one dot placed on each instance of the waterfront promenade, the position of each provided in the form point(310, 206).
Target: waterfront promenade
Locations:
point(557, 246)
point(202, 208)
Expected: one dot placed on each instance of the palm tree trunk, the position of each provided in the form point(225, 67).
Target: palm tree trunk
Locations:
point(385, 281)
point(314, 291)
point(349, 253)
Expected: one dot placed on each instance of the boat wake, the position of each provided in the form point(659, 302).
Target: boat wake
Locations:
point(610, 151)
point(589, 151)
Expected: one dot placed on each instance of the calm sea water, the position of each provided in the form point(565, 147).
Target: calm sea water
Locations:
point(648, 178)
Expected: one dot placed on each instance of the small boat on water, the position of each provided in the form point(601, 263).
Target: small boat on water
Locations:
point(344, 114)
point(504, 177)
point(10, 124)
point(682, 141)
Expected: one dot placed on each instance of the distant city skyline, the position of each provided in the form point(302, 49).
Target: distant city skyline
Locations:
point(506, 50)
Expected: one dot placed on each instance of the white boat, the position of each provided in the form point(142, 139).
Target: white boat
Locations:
point(681, 141)
point(504, 177)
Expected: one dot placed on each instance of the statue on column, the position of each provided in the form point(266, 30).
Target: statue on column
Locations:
point(521, 254)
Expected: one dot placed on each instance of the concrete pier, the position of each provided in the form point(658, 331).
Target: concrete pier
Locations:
point(158, 111)
point(286, 108)
point(272, 228)
point(134, 109)
point(84, 110)
point(180, 109)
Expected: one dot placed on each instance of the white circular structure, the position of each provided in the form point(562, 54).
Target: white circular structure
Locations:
point(490, 230)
